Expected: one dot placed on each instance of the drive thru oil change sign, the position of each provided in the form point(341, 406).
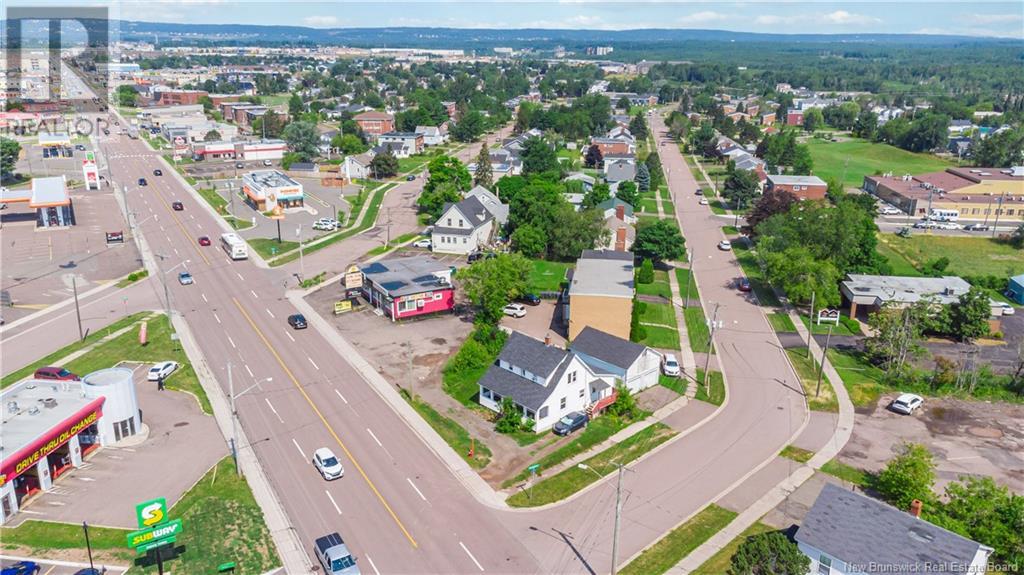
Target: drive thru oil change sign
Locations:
point(155, 530)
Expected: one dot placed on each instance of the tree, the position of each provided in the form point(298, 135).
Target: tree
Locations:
point(624, 405)
point(491, 283)
point(802, 276)
point(530, 240)
point(522, 120)
point(538, 157)
point(9, 152)
point(769, 554)
point(627, 192)
point(653, 163)
point(814, 120)
point(212, 136)
point(623, 103)
point(928, 132)
point(660, 241)
point(302, 139)
point(908, 476)
point(1017, 237)
point(740, 188)
point(483, 176)
point(384, 165)
point(126, 96)
point(772, 202)
point(594, 158)
point(469, 127)
point(510, 419)
point(802, 162)
point(270, 124)
point(981, 510)
point(638, 127)
point(643, 178)
point(866, 124)
point(1001, 150)
point(969, 315)
point(349, 144)
point(448, 169)
point(571, 232)
point(295, 106)
point(896, 334)
point(597, 195)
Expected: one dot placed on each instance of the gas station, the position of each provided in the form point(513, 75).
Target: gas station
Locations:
point(49, 197)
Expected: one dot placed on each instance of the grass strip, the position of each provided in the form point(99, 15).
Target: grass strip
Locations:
point(680, 542)
point(720, 562)
point(796, 454)
point(453, 434)
point(717, 384)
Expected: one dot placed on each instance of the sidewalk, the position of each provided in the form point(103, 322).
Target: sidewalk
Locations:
point(687, 362)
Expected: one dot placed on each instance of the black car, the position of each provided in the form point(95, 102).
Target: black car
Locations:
point(297, 321)
point(474, 256)
point(531, 299)
point(177, 206)
point(570, 423)
point(158, 172)
point(142, 182)
point(410, 178)
point(699, 192)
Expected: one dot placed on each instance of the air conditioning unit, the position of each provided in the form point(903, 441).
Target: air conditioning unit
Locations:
point(419, 303)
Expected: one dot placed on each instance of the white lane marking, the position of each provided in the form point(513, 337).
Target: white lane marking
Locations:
point(162, 229)
point(204, 298)
point(176, 252)
point(191, 216)
point(334, 503)
point(239, 276)
point(168, 239)
point(313, 362)
point(374, 437)
point(253, 292)
point(478, 565)
point(301, 452)
point(341, 396)
point(232, 342)
point(271, 406)
point(372, 565)
point(249, 370)
point(216, 317)
point(271, 314)
point(418, 492)
point(289, 336)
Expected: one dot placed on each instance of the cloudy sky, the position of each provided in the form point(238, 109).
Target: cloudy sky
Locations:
point(1004, 19)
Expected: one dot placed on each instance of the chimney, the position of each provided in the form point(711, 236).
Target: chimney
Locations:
point(547, 339)
point(620, 239)
point(915, 508)
point(620, 212)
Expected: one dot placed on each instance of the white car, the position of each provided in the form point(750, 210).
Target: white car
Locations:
point(948, 226)
point(515, 310)
point(327, 464)
point(161, 370)
point(704, 201)
point(670, 365)
point(268, 163)
point(906, 403)
point(424, 243)
point(725, 245)
point(889, 211)
point(1007, 308)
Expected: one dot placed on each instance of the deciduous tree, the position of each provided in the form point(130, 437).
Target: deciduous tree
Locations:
point(660, 241)
point(769, 554)
point(908, 476)
point(384, 165)
point(490, 283)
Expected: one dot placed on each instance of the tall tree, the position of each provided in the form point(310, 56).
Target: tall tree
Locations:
point(740, 188)
point(469, 127)
point(814, 120)
point(598, 194)
point(9, 152)
point(969, 315)
point(660, 241)
point(638, 127)
point(866, 124)
point(769, 554)
point(594, 158)
point(653, 163)
point(483, 175)
point(643, 178)
point(384, 165)
point(295, 106)
point(775, 201)
point(490, 283)
point(538, 157)
point(627, 192)
point(908, 476)
point(302, 139)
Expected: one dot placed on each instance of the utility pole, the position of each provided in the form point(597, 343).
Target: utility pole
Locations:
point(88, 545)
point(711, 345)
point(689, 278)
point(736, 213)
point(618, 508)
point(810, 325)
point(999, 208)
point(78, 312)
point(821, 365)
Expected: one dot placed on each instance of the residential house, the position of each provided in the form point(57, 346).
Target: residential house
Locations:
point(847, 533)
point(1015, 289)
point(433, 135)
point(409, 286)
point(402, 144)
point(504, 162)
point(620, 221)
point(375, 123)
point(491, 203)
point(803, 187)
point(958, 127)
point(600, 293)
point(588, 181)
point(357, 166)
point(767, 119)
point(794, 117)
point(619, 169)
point(463, 228)
point(631, 364)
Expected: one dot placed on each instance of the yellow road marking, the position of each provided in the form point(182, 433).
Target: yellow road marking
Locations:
point(50, 570)
point(324, 421)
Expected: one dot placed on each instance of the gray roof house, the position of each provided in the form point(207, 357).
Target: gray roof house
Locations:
point(463, 227)
point(849, 533)
point(619, 170)
point(491, 203)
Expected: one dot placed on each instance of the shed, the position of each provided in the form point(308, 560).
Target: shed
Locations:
point(1015, 289)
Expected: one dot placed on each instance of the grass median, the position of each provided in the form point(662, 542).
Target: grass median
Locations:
point(716, 395)
point(680, 542)
point(807, 370)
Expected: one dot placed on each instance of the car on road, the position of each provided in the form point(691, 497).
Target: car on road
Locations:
point(925, 224)
point(704, 201)
point(239, 165)
point(670, 365)
point(185, 279)
point(80, 147)
point(158, 172)
point(725, 245)
point(410, 177)
point(161, 370)
point(142, 182)
point(424, 243)
point(204, 240)
point(21, 568)
point(699, 192)
point(515, 310)
point(1007, 308)
point(907, 403)
point(743, 284)
point(334, 555)
point(55, 373)
point(268, 163)
point(530, 299)
point(177, 206)
point(327, 464)
point(297, 321)
point(948, 226)
point(89, 571)
point(889, 211)
point(977, 228)
point(570, 423)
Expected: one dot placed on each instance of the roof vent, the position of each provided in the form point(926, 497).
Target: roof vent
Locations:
point(33, 410)
point(12, 407)
point(49, 402)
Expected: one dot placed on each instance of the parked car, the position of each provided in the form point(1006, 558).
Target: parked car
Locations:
point(925, 224)
point(889, 211)
point(268, 163)
point(670, 365)
point(410, 177)
point(239, 165)
point(530, 299)
point(725, 245)
point(699, 192)
point(161, 370)
point(570, 423)
point(743, 284)
point(977, 228)
point(80, 147)
point(1007, 308)
point(327, 464)
point(515, 310)
point(177, 206)
point(906, 403)
point(948, 226)
point(21, 568)
point(297, 321)
point(56, 373)
point(480, 255)
point(204, 240)
point(158, 172)
point(142, 182)
point(424, 243)
point(185, 278)
point(704, 201)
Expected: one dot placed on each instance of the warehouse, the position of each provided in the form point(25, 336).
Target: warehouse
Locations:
point(267, 189)
point(51, 426)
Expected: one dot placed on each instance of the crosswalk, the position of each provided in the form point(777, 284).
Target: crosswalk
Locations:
point(123, 156)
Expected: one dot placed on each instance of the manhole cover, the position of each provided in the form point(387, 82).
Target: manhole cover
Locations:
point(181, 424)
point(987, 432)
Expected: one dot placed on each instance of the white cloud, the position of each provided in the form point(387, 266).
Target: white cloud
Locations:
point(837, 18)
point(703, 17)
point(994, 18)
point(770, 20)
point(843, 17)
point(320, 21)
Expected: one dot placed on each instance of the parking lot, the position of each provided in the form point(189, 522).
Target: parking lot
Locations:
point(56, 567)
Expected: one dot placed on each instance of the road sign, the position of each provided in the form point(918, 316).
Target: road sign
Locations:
point(149, 538)
point(151, 513)
point(828, 316)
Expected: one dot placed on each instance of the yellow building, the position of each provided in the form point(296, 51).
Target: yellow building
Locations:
point(601, 293)
point(979, 194)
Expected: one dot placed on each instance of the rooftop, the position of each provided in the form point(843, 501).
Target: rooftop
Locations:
point(264, 179)
point(603, 273)
point(871, 289)
point(372, 115)
point(796, 180)
point(607, 347)
point(408, 275)
point(50, 191)
point(28, 414)
point(531, 354)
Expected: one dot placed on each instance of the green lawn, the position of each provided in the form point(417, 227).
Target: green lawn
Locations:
point(858, 158)
point(660, 286)
point(846, 326)
point(214, 199)
point(721, 562)
point(275, 99)
point(717, 383)
point(46, 537)
point(573, 479)
point(647, 206)
point(846, 472)
point(697, 329)
point(412, 163)
point(751, 267)
point(899, 264)
point(730, 230)
point(159, 347)
point(862, 380)
point(807, 370)
point(676, 384)
point(661, 337)
point(796, 454)
point(547, 276)
point(967, 256)
point(717, 206)
point(91, 338)
point(680, 542)
point(454, 434)
point(781, 322)
point(668, 207)
point(269, 247)
point(659, 313)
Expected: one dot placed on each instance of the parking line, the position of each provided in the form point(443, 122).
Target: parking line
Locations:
point(374, 437)
point(301, 452)
point(271, 406)
point(176, 252)
point(313, 362)
point(216, 317)
point(50, 570)
point(232, 342)
point(253, 292)
point(341, 396)
point(271, 314)
point(289, 336)
point(249, 370)
point(204, 298)
point(478, 565)
point(418, 492)
point(372, 565)
point(239, 276)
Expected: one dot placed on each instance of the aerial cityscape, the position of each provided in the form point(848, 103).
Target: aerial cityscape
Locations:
point(572, 287)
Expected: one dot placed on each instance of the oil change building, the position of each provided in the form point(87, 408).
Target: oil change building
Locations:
point(49, 427)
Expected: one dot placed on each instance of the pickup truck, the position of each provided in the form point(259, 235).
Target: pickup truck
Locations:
point(334, 555)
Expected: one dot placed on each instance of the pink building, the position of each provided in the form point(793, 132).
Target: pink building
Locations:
point(409, 286)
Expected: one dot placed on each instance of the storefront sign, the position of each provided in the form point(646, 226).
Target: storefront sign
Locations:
point(31, 454)
point(151, 513)
point(353, 277)
point(149, 538)
point(342, 306)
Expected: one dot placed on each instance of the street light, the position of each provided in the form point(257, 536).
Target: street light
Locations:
point(234, 413)
point(618, 508)
point(163, 280)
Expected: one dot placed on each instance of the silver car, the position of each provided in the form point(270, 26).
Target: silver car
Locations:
point(907, 403)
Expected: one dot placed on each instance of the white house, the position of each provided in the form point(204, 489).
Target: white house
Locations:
point(491, 203)
point(433, 135)
point(846, 533)
point(357, 166)
point(634, 365)
point(463, 228)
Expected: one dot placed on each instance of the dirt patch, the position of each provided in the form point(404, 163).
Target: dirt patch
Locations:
point(430, 359)
point(439, 341)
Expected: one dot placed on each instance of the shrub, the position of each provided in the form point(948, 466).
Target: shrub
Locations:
point(645, 275)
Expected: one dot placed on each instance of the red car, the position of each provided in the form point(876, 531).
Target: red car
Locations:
point(204, 241)
point(57, 373)
point(743, 284)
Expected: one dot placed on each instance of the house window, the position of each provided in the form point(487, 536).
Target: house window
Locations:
point(824, 565)
point(572, 377)
point(460, 222)
point(531, 414)
point(562, 404)
point(464, 240)
point(497, 398)
point(437, 297)
point(543, 412)
point(449, 222)
point(485, 393)
point(581, 393)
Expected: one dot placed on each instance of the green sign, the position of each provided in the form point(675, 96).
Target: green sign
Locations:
point(144, 539)
point(151, 513)
point(150, 546)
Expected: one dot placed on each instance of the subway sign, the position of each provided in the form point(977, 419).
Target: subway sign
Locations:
point(145, 539)
point(50, 441)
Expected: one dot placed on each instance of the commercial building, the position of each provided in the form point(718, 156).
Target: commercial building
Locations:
point(874, 292)
point(409, 286)
point(600, 293)
point(265, 190)
point(248, 150)
point(49, 427)
point(179, 97)
point(375, 123)
point(982, 194)
point(803, 187)
point(49, 197)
